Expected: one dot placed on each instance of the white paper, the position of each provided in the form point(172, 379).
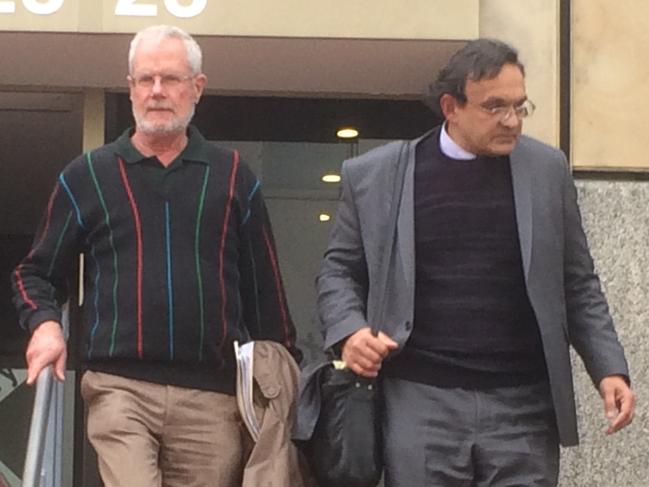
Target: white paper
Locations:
point(244, 355)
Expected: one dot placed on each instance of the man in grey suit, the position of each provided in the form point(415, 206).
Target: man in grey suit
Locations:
point(465, 248)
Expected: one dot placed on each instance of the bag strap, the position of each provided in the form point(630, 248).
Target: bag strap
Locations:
point(397, 191)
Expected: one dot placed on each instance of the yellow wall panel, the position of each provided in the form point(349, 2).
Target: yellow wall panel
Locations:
point(57, 15)
point(532, 27)
point(610, 100)
point(373, 19)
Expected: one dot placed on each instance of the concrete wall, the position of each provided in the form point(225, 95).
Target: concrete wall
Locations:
point(617, 224)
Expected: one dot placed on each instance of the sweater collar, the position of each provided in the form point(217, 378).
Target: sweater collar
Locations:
point(195, 151)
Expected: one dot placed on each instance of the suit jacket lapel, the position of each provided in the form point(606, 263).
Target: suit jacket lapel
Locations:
point(406, 221)
point(406, 224)
point(522, 186)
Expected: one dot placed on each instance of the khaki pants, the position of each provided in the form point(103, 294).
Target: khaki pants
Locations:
point(151, 435)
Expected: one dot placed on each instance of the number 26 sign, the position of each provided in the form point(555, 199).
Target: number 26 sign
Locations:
point(126, 8)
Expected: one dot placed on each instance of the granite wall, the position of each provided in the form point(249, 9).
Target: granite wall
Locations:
point(617, 223)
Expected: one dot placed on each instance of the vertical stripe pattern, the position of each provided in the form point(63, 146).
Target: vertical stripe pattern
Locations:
point(95, 325)
point(72, 200)
point(111, 240)
point(179, 262)
point(138, 234)
point(224, 234)
point(170, 292)
point(197, 259)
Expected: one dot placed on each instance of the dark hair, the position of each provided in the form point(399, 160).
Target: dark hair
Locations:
point(479, 59)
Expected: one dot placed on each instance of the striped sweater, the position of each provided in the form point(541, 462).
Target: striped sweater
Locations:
point(180, 261)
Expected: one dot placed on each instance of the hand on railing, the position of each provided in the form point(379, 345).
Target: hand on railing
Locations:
point(46, 346)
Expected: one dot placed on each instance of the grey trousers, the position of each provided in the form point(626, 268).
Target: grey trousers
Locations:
point(435, 437)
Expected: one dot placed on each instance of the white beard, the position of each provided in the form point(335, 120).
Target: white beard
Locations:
point(173, 126)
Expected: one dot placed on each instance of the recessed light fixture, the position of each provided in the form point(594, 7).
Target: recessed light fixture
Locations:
point(324, 217)
point(331, 178)
point(347, 133)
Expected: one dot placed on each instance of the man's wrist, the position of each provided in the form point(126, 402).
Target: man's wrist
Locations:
point(41, 316)
point(48, 326)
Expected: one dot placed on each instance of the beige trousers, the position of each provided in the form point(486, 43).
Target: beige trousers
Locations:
point(151, 435)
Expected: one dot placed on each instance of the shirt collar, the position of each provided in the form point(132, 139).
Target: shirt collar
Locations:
point(451, 149)
point(195, 150)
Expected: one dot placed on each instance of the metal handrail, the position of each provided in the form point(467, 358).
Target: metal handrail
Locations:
point(38, 429)
point(45, 416)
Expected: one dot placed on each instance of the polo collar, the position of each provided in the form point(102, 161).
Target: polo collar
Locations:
point(195, 151)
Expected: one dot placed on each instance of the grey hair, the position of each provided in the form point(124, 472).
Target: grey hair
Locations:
point(479, 59)
point(160, 32)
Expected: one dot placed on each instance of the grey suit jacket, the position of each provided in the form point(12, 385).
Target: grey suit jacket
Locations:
point(561, 282)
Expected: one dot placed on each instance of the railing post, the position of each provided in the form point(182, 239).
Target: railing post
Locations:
point(38, 429)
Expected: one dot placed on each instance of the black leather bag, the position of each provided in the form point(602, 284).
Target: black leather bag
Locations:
point(346, 448)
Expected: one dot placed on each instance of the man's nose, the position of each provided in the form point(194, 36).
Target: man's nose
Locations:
point(512, 119)
point(157, 88)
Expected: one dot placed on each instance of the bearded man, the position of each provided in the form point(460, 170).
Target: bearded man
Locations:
point(180, 262)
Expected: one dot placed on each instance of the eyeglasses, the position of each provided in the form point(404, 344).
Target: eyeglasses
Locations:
point(147, 81)
point(503, 112)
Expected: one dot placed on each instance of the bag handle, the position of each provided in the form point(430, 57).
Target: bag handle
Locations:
point(397, 191)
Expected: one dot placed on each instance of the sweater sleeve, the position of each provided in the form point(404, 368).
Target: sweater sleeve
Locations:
point(263, 300)
point(40, 281)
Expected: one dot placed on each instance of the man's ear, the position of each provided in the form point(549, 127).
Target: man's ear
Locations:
point(199, 85)
point(448, 104)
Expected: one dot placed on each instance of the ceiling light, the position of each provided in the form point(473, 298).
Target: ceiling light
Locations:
point(324, 217)
point(331, 178)
point(347, 133)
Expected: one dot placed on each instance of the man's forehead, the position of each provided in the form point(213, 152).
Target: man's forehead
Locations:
point(507, 84)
